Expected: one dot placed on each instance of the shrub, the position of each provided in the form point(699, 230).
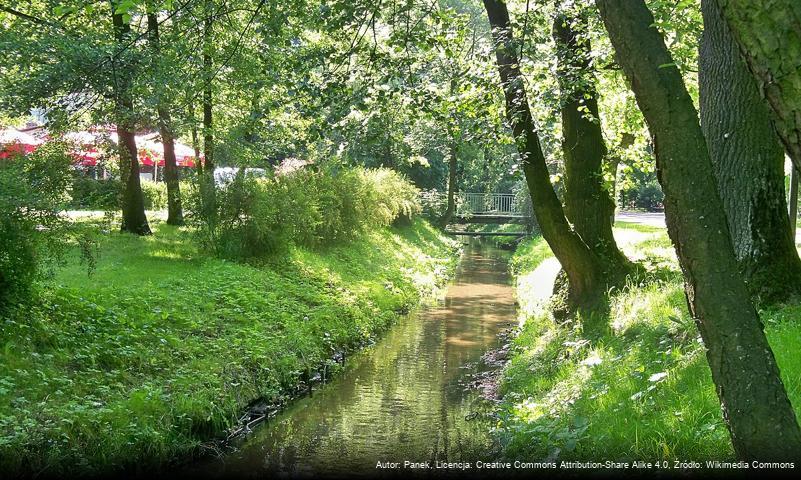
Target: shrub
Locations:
point(33, 234)
point(433, 204)
point(258, 216)
point(395, 197)
point(103, 194)
point(89, 193)
point(640, 190)
point(155, 195)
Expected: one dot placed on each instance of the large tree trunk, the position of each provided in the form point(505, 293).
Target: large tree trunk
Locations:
point(792, 208)
point(588, 203)
point(175, 215)
point(749, 164)
point(769, 36)
point(133, 204)
point(453, 183)
point(587, 286)
point(755, 405)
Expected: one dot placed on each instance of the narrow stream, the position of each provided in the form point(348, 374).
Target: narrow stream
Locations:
point(405, 398)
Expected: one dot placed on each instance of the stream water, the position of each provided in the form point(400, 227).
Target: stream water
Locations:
point(405, 398)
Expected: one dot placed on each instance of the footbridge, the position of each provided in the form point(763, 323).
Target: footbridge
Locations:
point(484, 208)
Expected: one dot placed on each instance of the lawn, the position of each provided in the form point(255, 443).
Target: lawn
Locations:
point(162, 347)
point(643, 391)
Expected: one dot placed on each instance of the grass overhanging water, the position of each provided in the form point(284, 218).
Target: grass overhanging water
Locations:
point(163, 346)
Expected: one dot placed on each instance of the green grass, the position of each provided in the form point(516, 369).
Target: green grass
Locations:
point(162, 347)
point(641, 391)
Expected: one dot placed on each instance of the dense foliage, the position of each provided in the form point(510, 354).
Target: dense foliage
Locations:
point(33, 232)
point(308, 207)
point(104, 194)
point(348, 110)
point(164, 346)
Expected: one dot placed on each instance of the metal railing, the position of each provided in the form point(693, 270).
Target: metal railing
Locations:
point(487, 203)
point(469, 203)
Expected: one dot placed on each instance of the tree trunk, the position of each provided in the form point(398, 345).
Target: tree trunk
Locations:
point(769, 37)
point(133, 204)
point(588, 203)
point(208, 191)
point(453, 186)
point(175, 215)
point(195, 139)
point(749, 164)
point(208, 134)
point(758, 413)
point(587, 286)
point(792, 208)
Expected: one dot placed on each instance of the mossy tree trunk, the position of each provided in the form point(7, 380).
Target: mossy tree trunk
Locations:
point(588, 204)
point(757, 411)
point(175, 215)
point(133, 204)
point(587, 284)
point(749, 164)
point(768, 33)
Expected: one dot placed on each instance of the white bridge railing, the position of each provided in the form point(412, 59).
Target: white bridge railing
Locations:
point(468, 203)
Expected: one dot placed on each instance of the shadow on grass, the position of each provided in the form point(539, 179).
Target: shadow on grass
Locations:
point(635, 387)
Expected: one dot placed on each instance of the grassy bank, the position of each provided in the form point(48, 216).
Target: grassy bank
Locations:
point(643, 391)
point(163, 347)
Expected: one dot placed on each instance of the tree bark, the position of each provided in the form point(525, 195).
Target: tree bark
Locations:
point(193, 129)
point(175, 215)
point(588, 203)
point(208, 191)
point(453, 185)
point(792, 208)
point(133, 204)
point(748, 159)
point(587, 288)
point(757, 411)
point(208, 78)
point(769, 36)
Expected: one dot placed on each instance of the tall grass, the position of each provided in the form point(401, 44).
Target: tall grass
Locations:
point(641, 391)
point(256, 217)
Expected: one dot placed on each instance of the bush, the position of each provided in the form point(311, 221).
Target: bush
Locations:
point(33, 234)
point(258, 216)
point(88, 193)
point(640, 190)
point(433, 204)
point(395, 197)
point(103, 194)
point(155, 195)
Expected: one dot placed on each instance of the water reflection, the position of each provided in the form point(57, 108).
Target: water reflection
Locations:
point(403, 399)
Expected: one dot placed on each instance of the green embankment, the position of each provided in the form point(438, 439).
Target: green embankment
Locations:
point(643, 391)
point(163, 347)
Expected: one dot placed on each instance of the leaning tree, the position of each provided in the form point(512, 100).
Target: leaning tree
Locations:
point(757, 411)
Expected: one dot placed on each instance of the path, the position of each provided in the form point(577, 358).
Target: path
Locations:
point(657, 219)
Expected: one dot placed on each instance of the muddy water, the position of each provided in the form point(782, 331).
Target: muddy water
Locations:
point(405, 398)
